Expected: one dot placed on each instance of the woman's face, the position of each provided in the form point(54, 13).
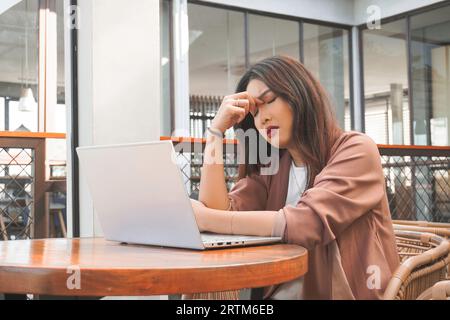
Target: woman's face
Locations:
point(273, 116)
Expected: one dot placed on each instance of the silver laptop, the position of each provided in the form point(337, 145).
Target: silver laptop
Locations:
point(140, 197)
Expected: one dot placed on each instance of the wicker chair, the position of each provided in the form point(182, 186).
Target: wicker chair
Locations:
point(440, 229)
point(223, 295)
point(440, 291)
point(418, 223)
point(424, 258)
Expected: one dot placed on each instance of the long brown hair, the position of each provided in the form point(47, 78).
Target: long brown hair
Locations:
point(315, 128)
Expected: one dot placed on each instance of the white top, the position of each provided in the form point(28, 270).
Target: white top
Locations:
point(297, 184)
point(293, 290)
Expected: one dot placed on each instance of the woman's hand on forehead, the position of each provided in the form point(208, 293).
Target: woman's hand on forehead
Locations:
point(258, 102)
point(253, 102)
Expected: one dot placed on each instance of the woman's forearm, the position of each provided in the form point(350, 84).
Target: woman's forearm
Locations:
point(251, 223)
point(213, 189)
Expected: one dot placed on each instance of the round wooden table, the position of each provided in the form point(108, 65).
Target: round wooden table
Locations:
point(96, 267)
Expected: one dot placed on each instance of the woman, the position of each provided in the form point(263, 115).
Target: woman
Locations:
point(327, 196)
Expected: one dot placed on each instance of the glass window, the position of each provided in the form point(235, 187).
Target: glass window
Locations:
point(20, 120)
point(217, 56)
point(386, 83)
point(216, 50)
point(271, 36)
point(19, 64)
point(430, 70)
point(216, 61)
point(326, 56)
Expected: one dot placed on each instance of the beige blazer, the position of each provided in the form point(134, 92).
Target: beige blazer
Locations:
point(343, 220)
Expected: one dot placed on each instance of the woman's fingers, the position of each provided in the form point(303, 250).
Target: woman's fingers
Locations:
point(234, 109)
point(238, 95)
point(242, 95)
point(238, 113)
point(250, 101)
point(241, 103)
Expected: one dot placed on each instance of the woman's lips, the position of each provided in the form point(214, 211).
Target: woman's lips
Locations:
point(271, 131)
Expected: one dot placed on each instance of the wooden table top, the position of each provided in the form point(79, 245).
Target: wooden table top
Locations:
point(96, 267)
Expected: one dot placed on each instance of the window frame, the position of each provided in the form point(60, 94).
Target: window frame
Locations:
point(407, 16)
point(46, 65)
point(300, 21)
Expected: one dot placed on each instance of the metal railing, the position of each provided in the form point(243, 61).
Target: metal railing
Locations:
point(202, 111)
point(190, 160)
point(26, 197)
point(16, 189)
point(417, 182)
point(417, 178)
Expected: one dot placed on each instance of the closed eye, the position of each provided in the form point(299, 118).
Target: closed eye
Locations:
point(274, 98)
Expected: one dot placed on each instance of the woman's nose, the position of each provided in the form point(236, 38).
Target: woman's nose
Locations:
point(264, 117)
